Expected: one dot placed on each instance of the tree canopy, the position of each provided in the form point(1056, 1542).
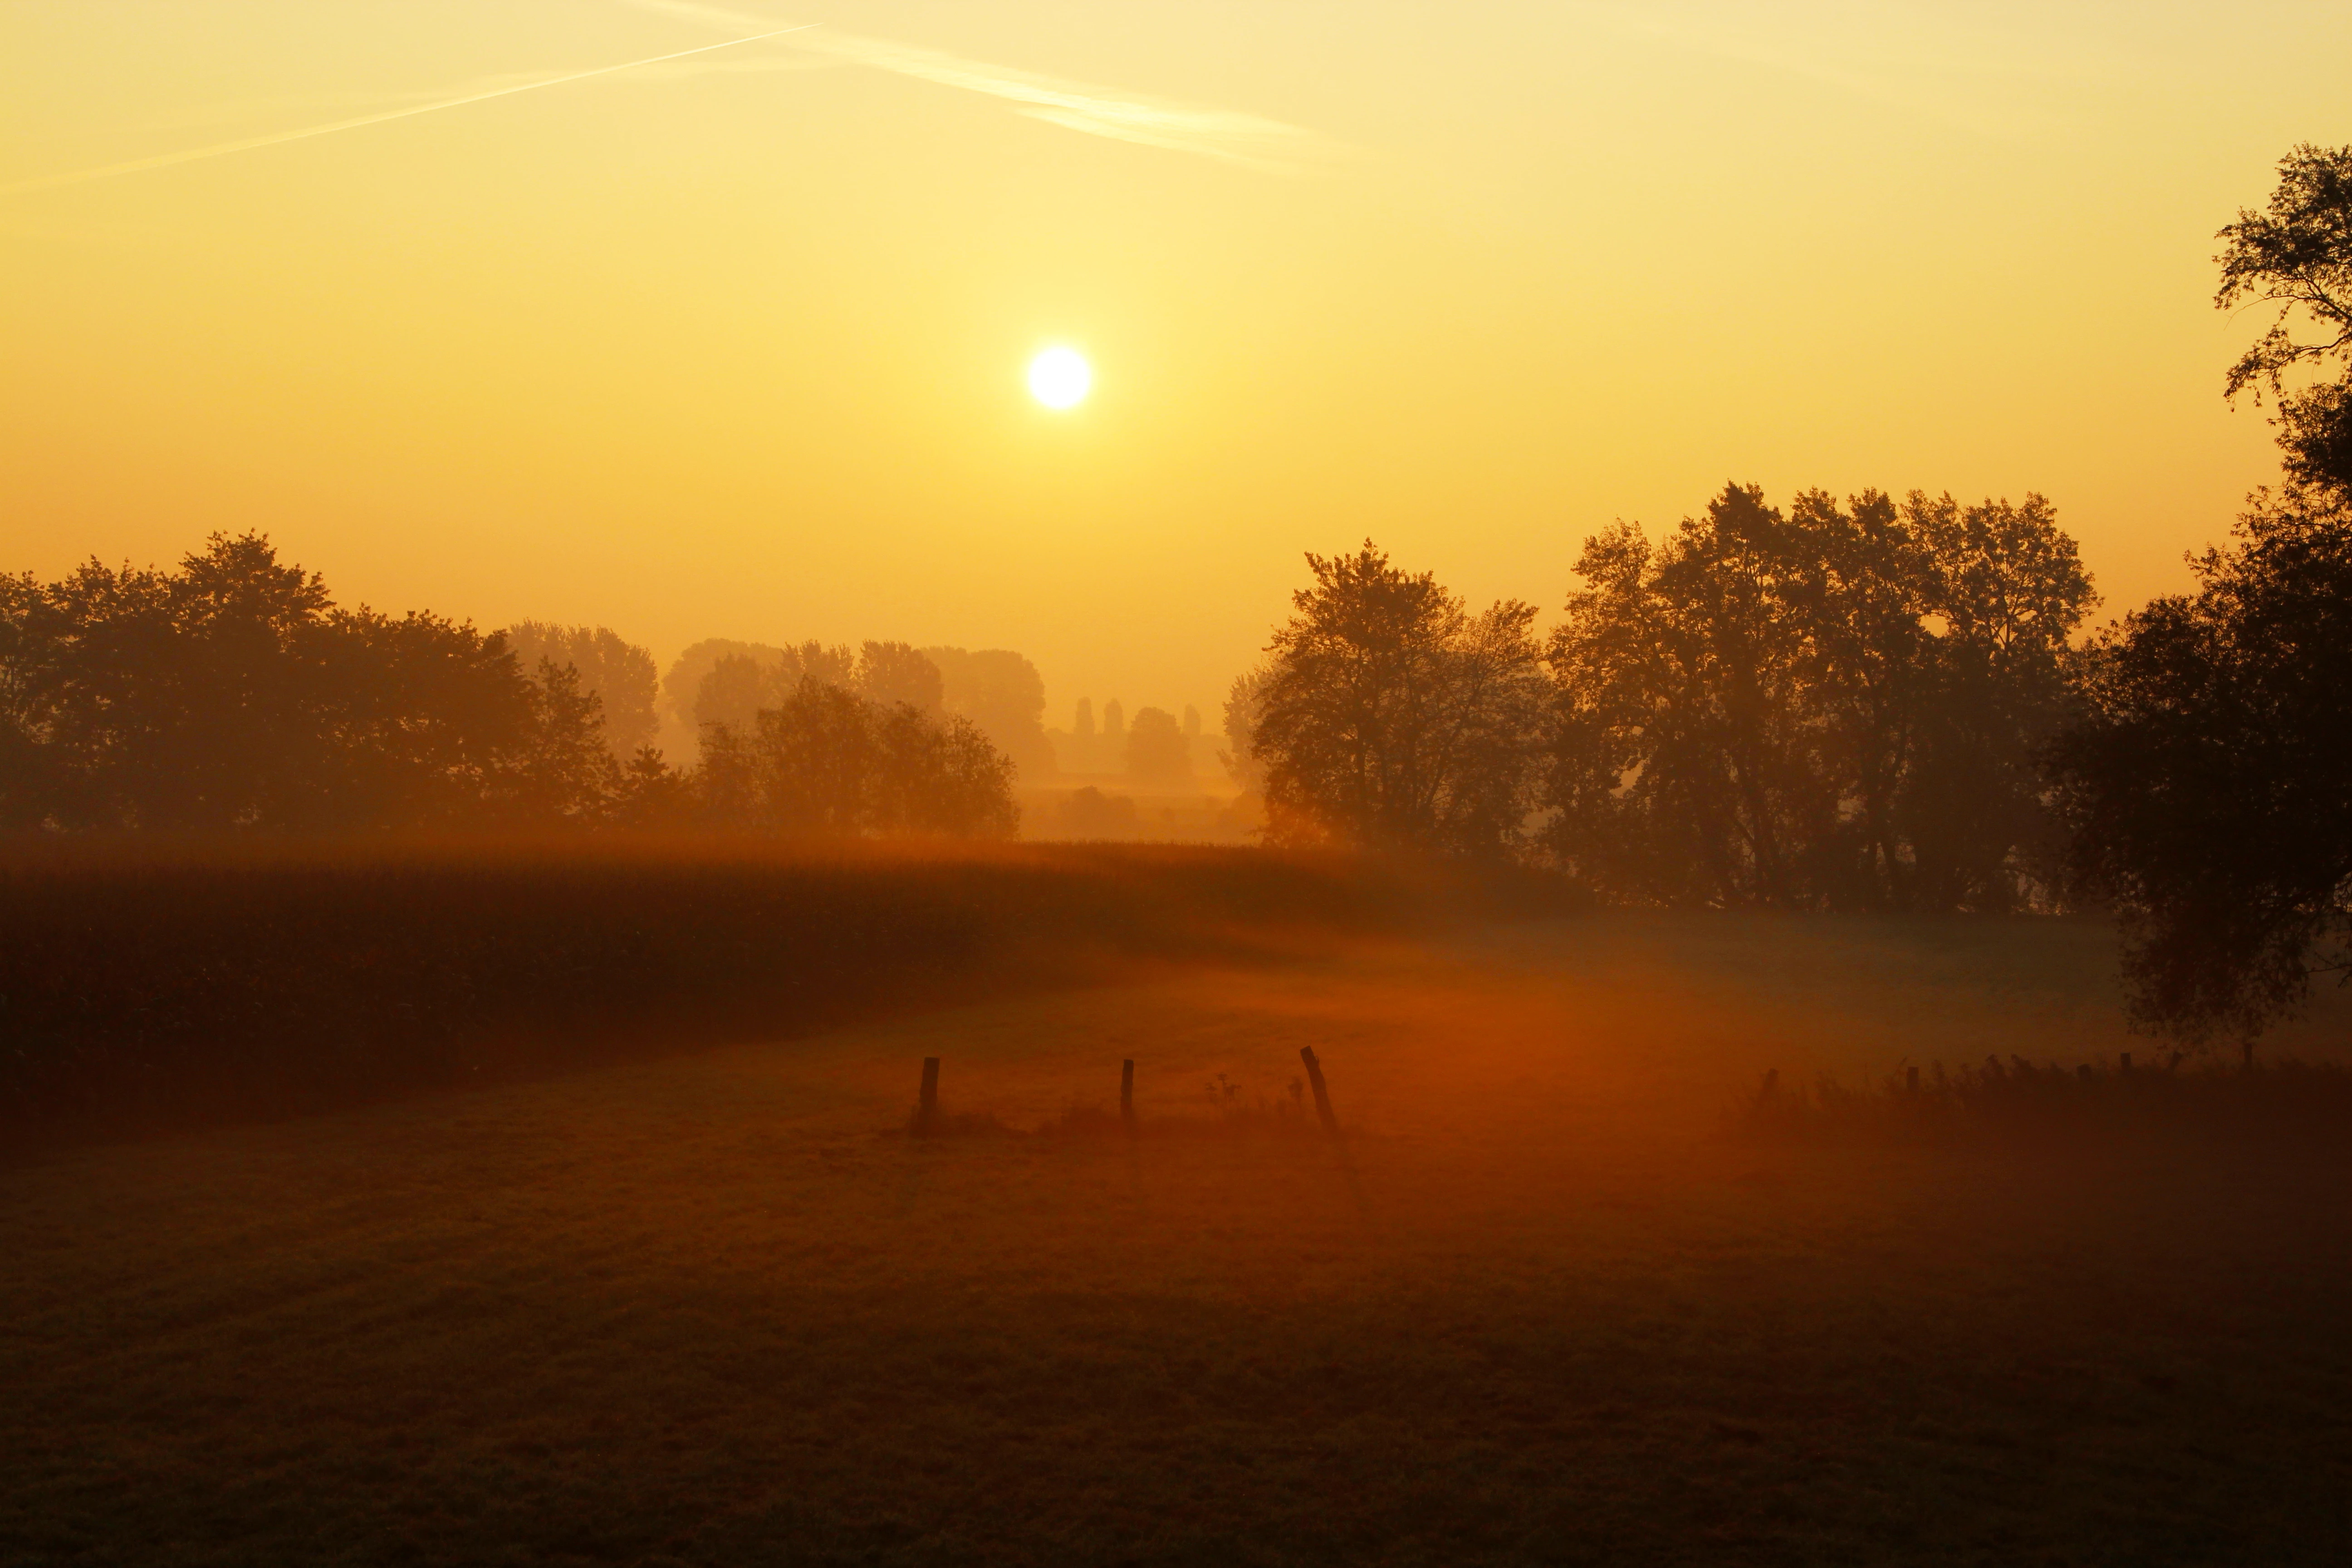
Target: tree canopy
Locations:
point(1391, 717)
point(2297, 255)
point(234, 693)
point(618, 673)
point(2209, 784)
point(1834, 707)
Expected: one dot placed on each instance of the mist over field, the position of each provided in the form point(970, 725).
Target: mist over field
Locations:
point(1154, 786)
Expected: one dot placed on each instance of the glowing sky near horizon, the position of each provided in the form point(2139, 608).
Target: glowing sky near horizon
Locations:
point(735, 344)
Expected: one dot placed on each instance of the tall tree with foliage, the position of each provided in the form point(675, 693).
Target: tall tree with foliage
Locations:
point(1834, 707)
point(2009, 588)
point(2211, 789)
point(2210, 786)
point(2297, 255)
point(1392, 718)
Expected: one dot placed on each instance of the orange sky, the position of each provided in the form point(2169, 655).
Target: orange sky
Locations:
point(732, 345)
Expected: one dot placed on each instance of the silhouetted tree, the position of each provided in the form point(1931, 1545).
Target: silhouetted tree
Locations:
point(735, 685)
point(938, 776)
point(651, 794)
point(1157, 750)
point(1684, 775)
point(1392, 718)
point(30, 646)
point(619, 674)
point(1764, 710)
point(561, 771)
point(2297, 254)
point(232, 693)
point(2210, 787)
point(2010, 589)
point(718, 681)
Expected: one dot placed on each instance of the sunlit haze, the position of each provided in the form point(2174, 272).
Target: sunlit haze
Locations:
point(731, 343)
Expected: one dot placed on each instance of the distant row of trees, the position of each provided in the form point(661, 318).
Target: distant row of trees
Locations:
point(828, 762)
point(1155, 750)
point(720, 681)
point(234, 694)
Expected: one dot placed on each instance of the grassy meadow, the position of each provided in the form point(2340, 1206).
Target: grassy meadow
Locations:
point(713, 1305)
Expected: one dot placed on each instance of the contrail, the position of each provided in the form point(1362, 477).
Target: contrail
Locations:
point(164, 159)
point(1246, 139)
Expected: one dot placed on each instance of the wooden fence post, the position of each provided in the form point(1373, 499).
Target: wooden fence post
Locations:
point(1911, 1080)
point(1322, 1095)
point(927, 1109)
point(1126, 1094)
point(2126, 1061)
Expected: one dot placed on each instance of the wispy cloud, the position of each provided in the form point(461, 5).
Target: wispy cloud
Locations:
point(1236, 137)
point(474, 93)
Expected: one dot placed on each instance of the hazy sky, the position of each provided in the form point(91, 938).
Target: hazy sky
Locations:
point(733, 344)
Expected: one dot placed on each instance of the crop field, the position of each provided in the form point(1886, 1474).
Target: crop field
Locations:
point(1541, 1304)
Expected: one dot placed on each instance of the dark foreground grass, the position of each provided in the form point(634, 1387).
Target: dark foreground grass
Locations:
point(2179, 1110)
point(716, 1308)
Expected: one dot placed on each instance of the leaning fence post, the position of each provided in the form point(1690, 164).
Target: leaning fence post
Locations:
point(1126, 1094)
point(1322, 1095)
point(927, 1108)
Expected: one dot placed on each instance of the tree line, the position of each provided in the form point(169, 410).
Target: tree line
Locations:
point(1882, 705)
point(1830, 706)
point(233, 693)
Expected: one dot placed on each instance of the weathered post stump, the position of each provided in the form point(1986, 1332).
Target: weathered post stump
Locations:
point(1322, 1094)
point(927, 1106)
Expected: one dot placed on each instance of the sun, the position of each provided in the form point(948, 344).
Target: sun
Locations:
point(1059, 377)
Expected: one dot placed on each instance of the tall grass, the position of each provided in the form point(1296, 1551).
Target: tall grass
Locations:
point(145, 983)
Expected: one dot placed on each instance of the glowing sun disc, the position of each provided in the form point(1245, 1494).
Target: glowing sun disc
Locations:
point(1060, 377)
